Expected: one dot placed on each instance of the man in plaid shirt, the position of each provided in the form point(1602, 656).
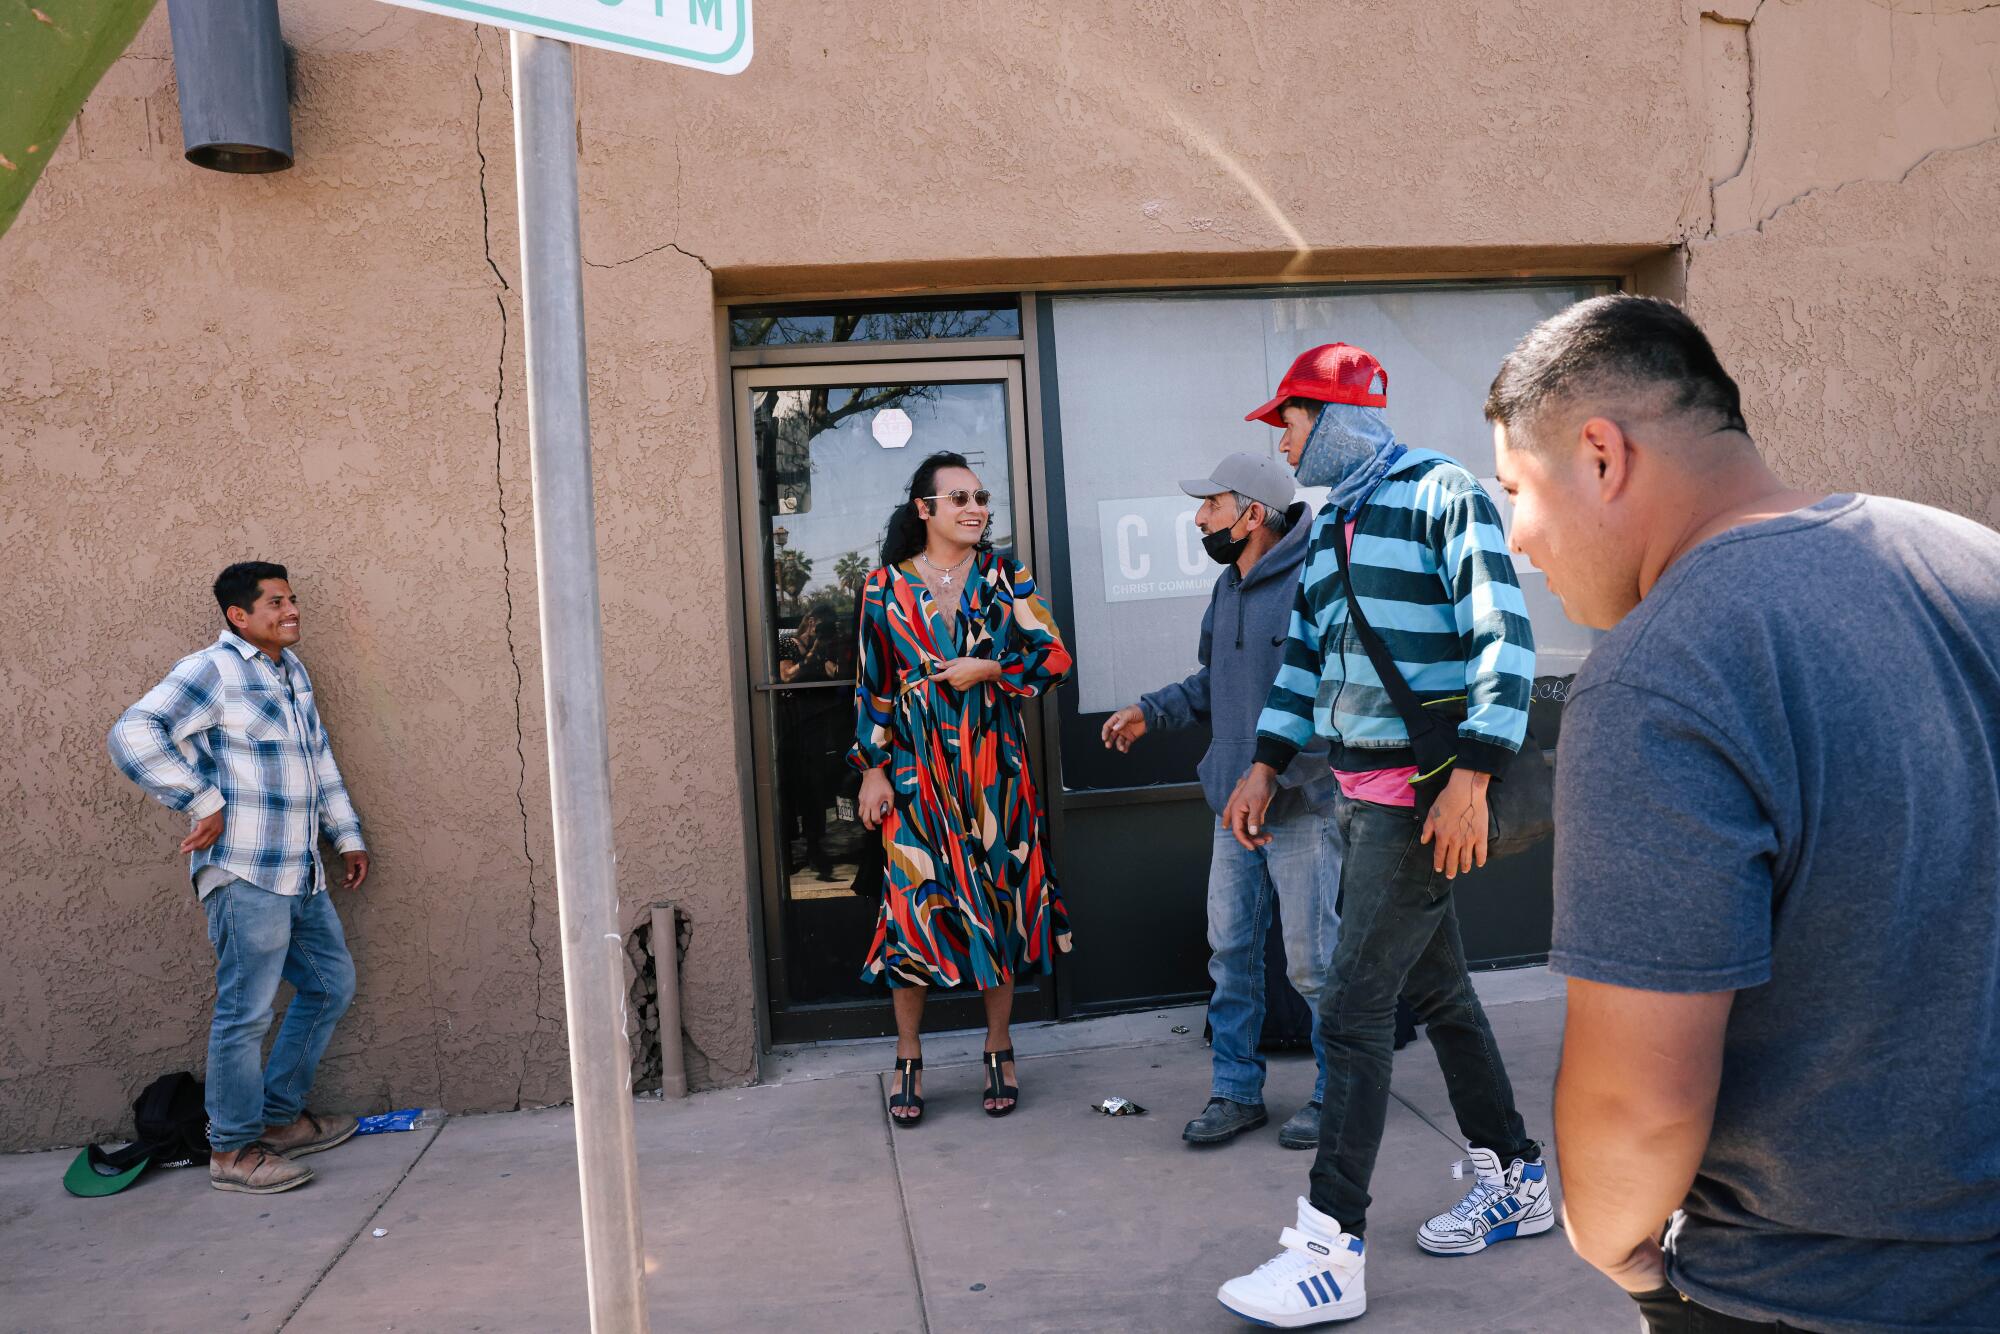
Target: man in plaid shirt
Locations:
point(232, 737)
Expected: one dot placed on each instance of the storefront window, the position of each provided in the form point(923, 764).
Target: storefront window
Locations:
point(1152, 389)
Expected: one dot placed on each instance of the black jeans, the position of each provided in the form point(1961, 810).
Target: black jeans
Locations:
point(1399, 937)
point(1667, 1312)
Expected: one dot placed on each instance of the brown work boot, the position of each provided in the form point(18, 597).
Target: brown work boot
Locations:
point(255, 1169)
point(310, 1134)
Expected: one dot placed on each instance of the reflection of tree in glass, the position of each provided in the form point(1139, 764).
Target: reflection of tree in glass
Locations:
point(767, 328)
point(788, 420)
point(795, 416)
point(792, 572)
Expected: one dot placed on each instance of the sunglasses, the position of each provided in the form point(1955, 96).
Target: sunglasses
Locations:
point(963, 498)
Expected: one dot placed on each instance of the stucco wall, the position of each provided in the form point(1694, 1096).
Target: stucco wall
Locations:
point(1850, 269)
point(323, 367)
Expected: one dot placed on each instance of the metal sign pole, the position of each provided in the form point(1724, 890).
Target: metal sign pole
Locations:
point(593, 951)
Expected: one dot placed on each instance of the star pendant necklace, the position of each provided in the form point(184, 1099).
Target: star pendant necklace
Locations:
point(944, 575)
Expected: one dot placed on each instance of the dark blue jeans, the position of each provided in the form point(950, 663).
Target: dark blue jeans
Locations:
point(1302, 865)
point(1399, 936)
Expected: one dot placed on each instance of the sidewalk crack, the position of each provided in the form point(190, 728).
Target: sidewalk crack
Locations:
point(903, 1200)
point(1450, 1136)
point(373, 1214)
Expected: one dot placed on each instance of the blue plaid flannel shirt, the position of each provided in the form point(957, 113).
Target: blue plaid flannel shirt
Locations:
point(231, 731)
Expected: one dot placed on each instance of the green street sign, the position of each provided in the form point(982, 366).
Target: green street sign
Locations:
point(702, 34)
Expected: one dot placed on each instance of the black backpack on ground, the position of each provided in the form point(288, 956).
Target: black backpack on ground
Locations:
point(170, 1127)
point(170, 1123)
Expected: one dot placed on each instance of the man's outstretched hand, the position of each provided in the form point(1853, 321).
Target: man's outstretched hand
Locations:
point(1123, 728)
point(357, 869)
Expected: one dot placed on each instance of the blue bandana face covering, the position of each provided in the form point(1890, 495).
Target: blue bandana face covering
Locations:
point(1351, 450)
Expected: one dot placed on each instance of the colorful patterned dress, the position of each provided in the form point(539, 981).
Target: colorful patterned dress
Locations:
point(969, 895)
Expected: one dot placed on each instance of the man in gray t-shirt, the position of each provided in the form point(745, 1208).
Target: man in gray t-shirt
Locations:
point(1777, 853)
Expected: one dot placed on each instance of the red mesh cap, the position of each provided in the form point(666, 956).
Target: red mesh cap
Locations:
point(1332, 373)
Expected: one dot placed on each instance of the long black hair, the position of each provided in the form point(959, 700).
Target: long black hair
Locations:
point(906, 534)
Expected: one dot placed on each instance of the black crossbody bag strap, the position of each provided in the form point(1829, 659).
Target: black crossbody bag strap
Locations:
point(1434, 739)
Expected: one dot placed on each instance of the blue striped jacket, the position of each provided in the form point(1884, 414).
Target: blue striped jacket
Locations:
point(1435, 580)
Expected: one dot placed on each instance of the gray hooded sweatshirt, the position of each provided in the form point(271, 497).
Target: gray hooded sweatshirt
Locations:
point(1242, 641)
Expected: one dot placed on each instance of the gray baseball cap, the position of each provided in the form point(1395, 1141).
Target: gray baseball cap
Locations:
point(1259, 476)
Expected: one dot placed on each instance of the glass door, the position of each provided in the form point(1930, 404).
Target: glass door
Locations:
point(824, 453)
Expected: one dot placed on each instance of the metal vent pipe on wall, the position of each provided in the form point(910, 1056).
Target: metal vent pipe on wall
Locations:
point(229, 57)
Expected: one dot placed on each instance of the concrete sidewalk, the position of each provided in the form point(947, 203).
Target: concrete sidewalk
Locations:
point(794, 1205)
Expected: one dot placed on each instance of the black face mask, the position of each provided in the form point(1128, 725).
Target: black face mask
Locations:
point(1221, 547)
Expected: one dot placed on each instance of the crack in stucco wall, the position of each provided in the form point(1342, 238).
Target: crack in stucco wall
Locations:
point(1748, 25)
point(1836, 187)
point(1796, 105)
point(507, 563)
point(479, 147)
point(668, 245)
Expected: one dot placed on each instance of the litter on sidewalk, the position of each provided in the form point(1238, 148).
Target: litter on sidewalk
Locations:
point(409, 1118)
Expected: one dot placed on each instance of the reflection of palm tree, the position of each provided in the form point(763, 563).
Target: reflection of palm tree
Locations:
point(792, 573)
point(851, 572)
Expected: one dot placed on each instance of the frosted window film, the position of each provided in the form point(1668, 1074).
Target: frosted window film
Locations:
point(1153, 389)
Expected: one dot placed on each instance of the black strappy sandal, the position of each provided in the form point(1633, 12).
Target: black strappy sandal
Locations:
point(994, 1088)
point(907, 1067)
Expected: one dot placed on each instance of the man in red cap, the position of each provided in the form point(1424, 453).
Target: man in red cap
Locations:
point(1422, 547)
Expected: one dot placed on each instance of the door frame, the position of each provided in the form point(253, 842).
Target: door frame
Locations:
point(871, 1018)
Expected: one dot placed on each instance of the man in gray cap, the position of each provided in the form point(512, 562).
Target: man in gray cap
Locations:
point(1251, 524)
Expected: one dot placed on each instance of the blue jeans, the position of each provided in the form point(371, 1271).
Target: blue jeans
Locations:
point(1400, 938)
point(1302, 862)
point(261, 938)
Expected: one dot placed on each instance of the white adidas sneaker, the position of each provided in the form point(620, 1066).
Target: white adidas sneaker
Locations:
point(1316, 1279)
point(1500, 1207)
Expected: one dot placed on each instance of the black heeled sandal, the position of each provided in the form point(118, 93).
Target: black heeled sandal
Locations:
point(995, 1089)
point(907, 1067)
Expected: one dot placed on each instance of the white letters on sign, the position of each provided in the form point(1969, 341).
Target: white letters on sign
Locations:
point(1131, 566)
point(1188, 544)
point(1151, 549)
point(702, 34)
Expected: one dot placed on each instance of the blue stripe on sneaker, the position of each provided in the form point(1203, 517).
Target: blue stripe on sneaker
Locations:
point(1534, 1172)
point(1328, 1277)
point(1503, 1233)
point(1306, 1288)
point(1320, 1287)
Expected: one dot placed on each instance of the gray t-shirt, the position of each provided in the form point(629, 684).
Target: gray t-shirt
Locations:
point(1780, 776)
